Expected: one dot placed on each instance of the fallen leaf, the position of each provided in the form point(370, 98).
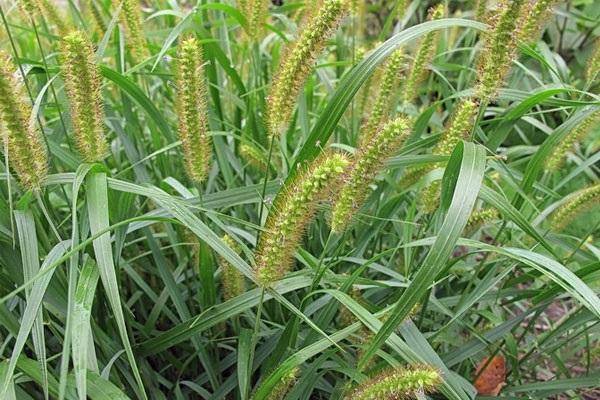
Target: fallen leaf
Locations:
point(491, 376)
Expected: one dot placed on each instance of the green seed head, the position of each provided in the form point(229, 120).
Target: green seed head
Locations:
point(233, 281)
point(368, 163)
point(581, 202)
point(191, 109)
point(291, 213)
point(390, 77)
point(559, 155)
point(82, 83)
point(256, 12)
point(299, 61)
point(481, 10)
point(399, 383)
point(459, 128)
point(423, 57)
point(533, 19)
point(131, 17)
point(593, 66)
point(284, 385)
point(429, 197)
point(254, 157)
point(499, 50)
point(481, 217)
point(50, 12)
point(24, 143)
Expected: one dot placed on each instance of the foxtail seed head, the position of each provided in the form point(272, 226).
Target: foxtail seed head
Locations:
point(82, 83)
point(533, 19)
point(499, 50)
point(423, 57)
point(559, 155)
point(367, 164)
point(233, 280)
point(131, 17)
point(459, 128)
point(429, 197)
point(191, 109)
point(480, 217)
point(291, 213)
point(389, 81)
point(284, 385)
point(28, 6)
point(399, 383)
point(50, 11)
point(299, 61)
point(254, 157)
point(256, 12)
point(24, 143)
point(593, 65)
point(481, 10)
point(581, 202)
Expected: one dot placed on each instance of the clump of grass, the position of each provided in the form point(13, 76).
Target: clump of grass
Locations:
point(191, 110)
point(298, 63)
point(26, 149)
point(291, 214)
point(82, 81)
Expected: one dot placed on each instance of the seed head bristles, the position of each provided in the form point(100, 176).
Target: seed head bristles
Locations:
point(96, 14)
point(399, 383)
point(82, 83)
point(418, 70)
point(412, 175)
point(367, 164)
point(559, 155)
point(582, 201)
point(254, 157)
point(131, 17)
point(285, 384)
point(191, 110)
point(593, 65)
point(429, 197)
point(401, 6)
point(480, 217)
point(233, 281)
point(481, 10)
point(291, 213)
point(459, 128)
point(256, 12)
point(28, 6)
point(498, 51)
point(389, 82)
point(533, 19)
point(24, 143)
point(299, 62)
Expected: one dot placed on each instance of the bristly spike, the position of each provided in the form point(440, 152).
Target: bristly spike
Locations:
point(499, 50)
point(298, 63)
point(459, 128)
point(424, 55)
point(233, 281)
point(559, 155)
point(292, 212)
point(533, 19)
point(191, 110)
point(131, 17)
point(82, 83)
point(399, 383)
point(391, 75)
point(578, 204)
point(593, 65)
point(23, 140)
point(368, 162)
point(256, 12)
point(50, 11)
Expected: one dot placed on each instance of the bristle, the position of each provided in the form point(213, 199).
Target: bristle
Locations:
point(233, 281)
point(559, 154)
point(581, 202)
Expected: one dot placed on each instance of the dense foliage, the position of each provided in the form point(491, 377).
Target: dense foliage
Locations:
point(329, 199)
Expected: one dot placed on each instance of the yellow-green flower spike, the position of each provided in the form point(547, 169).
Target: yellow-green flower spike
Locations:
point(26, 150)
point(582, 201)
point(498, 51)
point(401, 6)
point(593, 65)
point(233, 281)
point(389, 81)
point(429, 197)
point(367, 164)
point(481, 10)
point(254, 157)
point(131, 17)
point(299, 62)
point(50, 12)
point(285, 384)
point(424, 55)
point(459, 128)
point(82, 83)
point(480, 217)
point(559, 155)
point(94, 13)
point(534, 18)
point(191, 110)
point(256, 12)
point(400, 383)
point(291, 213)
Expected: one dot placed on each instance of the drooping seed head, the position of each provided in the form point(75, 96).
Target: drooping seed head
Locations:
point(458, 128)
point(533, 19)
point(24, 143)
point(480, 217)
point(424, 55)
point(191, 110)
point(131, 17)
point(390, 76)
point(559, 155)
point(233, 281)
point(499, 50)
point(368, 162)
point(578, 204)
point(298, 63)
point(82, 83)
point(291, 213)
point(399, 383)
